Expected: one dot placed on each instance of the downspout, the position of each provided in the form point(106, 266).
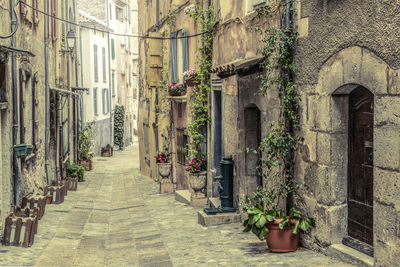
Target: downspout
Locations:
point(289, 166)
point(68, 88)
point(15, 103)
point(81, 96)
point(78, 98)
point(109, 74)
point(156, 121)
point(157, 14)
point(47, 98)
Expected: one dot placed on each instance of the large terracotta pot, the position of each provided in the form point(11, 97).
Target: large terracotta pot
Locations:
point(197, 182)
point(281, 240)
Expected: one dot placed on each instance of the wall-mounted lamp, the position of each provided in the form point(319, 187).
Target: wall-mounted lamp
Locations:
point(71, 39)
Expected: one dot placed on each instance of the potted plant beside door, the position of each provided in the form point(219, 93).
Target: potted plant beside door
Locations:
point(189, 77)
point(164, 172)
point(85, 145)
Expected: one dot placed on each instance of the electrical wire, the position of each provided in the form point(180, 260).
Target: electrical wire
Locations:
point(16, 26)
point(112, 33)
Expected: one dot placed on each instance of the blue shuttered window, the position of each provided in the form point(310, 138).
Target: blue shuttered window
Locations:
point(95, 64)
point(185, 62)
point(95, 101)
point(103, 50)
point(174, 61)
point(105, 101)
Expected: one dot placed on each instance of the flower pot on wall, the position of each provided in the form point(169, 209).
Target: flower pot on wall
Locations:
point(178, 94)
point(282, 240)
point(87, 164)
point(191, 82)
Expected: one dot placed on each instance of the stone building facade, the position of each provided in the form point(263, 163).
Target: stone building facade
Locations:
point(349, 162)
point(348, 68)
point(38, 104)
point(163, 120)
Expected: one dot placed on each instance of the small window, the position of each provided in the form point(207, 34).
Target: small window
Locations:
point(95, 64)
point(254, 4)
point(95, 101)
point(103, 50)
point(110, 7)
point(112, 48)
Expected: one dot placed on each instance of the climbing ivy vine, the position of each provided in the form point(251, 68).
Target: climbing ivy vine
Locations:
point(278, 146)
point(119, 117)
point(204, 17)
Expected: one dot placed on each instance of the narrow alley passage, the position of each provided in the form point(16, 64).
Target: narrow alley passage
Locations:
point(117, 218)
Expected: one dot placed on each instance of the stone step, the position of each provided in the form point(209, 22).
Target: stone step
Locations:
point(183, 196)
point(219, 218)
point(350, 255)
point(215, 202)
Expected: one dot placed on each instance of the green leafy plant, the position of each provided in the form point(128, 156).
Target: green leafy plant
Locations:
point(85, 142)
point(75, 171)
point(119, 119)
point(277, 148)
point(106, 148)
point(204, 17)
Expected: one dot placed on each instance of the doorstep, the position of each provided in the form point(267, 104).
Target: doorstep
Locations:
point(350, 255)
point(183, 196)
point(219, 218)
point(215, 202)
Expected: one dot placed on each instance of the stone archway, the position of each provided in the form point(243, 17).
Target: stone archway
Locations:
point(326, 125)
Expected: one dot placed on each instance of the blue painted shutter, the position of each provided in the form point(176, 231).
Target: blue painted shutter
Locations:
point(184, 50)
point(174, 61)
point(95, 100)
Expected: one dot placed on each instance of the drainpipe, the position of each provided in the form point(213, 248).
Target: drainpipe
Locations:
point(109, 74)
point(15, 103)
point(68, 87)
point(156, 122)
point(157, 14)
point(47, 98)
point(288, 165)
point(81, 96)
point(78, 98)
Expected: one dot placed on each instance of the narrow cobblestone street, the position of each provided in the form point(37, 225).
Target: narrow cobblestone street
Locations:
point(117, 218)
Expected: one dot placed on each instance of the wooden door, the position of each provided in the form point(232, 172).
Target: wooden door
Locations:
point(360, 183)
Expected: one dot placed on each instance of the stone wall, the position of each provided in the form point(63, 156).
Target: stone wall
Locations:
point(332, 61)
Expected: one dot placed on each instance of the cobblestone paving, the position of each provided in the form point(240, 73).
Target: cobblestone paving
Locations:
point(117, 218)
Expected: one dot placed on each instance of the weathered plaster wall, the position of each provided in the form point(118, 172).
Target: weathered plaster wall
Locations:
point(342, 43)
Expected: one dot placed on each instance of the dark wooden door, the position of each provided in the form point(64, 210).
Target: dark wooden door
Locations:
point(360, 184)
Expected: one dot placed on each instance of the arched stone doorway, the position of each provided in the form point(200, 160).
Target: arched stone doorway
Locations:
point(360, 167)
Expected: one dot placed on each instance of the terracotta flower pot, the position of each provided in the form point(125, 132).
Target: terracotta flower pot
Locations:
point(282, 240)
point(49, 199)
point(178, 94)
point(191, 82)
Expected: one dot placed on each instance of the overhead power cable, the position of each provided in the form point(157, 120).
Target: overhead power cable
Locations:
point(108, 32)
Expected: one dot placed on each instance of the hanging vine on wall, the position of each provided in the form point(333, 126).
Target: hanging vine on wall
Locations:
point(204, 17)
point(119, 117)
point(278, 146)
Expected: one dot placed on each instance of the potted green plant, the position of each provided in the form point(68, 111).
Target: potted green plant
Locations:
point(107, 151)
point(85, 145)
point(75, 171)
point(268, 221)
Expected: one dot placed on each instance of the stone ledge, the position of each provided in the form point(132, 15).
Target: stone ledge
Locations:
point(220, 218)
point(350, 255)
point(183, 196)
point(215, 202)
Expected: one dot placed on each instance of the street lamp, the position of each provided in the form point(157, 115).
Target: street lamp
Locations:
point(71, 39)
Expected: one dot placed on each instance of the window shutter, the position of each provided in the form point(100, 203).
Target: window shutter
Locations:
point(103, 101)
point(112, 49)
point(35, 13)
point(95, 100)
point(184, 50)
point(174, 60)
point(53, 20)
point(95, 64)
point(104, 64)
point(22, 7)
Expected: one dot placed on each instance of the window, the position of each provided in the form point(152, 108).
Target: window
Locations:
point(95, 64)
point(112, 49)
point(106, 106)
point(113, 83)
point(103, 50)
point(119, 13)
point(95, 101)
point(179, 52)
point(254, 4)
point(35, 13)
point(110, 8)
point(181, 142)
point(64, 124)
